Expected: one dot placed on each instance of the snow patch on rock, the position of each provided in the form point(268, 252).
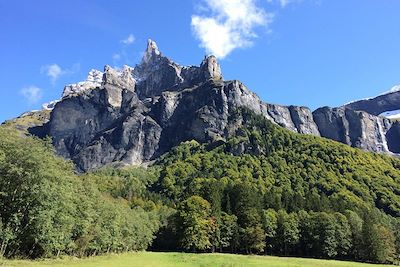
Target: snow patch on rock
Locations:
point(93, 80)
point(392, 114)
point(50, 105)
point(394, 89)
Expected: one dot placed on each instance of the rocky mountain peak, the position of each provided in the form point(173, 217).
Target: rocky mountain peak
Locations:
point(121, 78)
point(151, 52)
point(211, 68)
point(157, 73)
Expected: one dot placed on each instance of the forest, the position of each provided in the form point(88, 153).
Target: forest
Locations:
point(264, 190)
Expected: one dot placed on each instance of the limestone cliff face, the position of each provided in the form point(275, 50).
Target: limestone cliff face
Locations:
point(134, 115)
point(355, 128)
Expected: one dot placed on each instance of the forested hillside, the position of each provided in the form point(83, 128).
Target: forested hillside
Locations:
point(265, 190)
point(268, 190)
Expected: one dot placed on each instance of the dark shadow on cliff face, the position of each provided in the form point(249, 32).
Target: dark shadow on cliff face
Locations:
point(392, 137)
point(39, 131)
point(198, 115)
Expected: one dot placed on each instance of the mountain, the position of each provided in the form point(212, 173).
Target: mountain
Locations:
point(133, 115)
point(386, 104)
point(248, 176)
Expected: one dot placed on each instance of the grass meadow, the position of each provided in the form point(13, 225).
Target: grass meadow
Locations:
point(155, 259)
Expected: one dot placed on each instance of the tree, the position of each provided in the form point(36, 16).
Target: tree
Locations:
point(378, 243)
point(288, 233)
point(228, 229)
point(212, 192)
point(325, 235)
point(343, 235)
point(273, 198)
point(196, 224)
point(384, 245)
point(253, 238)
point(247, 208)
point(356, 227)
point(270, 225)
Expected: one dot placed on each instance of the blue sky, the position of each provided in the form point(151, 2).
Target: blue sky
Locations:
point(301, 52)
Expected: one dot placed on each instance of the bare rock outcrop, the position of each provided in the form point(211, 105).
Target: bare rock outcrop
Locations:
point(135, 114)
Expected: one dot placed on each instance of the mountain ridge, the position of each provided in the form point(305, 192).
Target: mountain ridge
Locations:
point(135, 114)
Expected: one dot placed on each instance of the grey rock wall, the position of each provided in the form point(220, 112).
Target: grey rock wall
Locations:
point(136, 114)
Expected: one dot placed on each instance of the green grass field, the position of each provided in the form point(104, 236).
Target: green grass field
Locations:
point(150, 259)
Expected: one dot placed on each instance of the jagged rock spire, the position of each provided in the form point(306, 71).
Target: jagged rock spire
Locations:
point(211, 68)
point(121, 78)
point(151, 51)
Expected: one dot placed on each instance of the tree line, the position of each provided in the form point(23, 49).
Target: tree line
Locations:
point(325, 235)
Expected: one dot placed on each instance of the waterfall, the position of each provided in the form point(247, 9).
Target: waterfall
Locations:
point(382, 134)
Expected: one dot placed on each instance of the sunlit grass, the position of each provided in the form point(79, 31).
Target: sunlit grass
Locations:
point(150, 259)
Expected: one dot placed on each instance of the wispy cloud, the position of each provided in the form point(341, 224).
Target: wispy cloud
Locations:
point(32, 94)
point(230, 25)
point(116, 56)
point(122, 55)
point(284, 3)
point(54, 71)
point(128, 40)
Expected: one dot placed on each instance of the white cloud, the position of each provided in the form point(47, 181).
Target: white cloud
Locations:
point(32, 94)
point(116, 57)
point(230, 25)
point(129, 40)
point(284, 3)
point(53, 71)
point(121, 55)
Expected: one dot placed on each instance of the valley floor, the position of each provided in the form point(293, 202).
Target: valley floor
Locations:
point(150, 259)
